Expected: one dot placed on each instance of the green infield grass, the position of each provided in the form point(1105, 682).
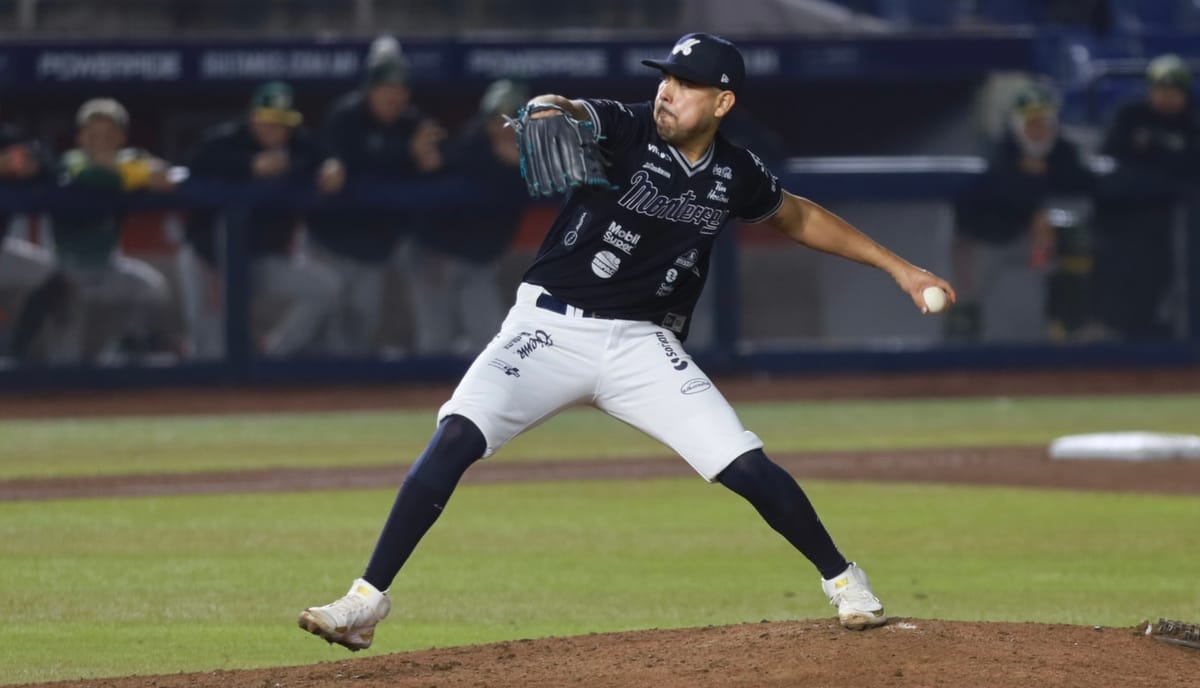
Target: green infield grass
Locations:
point(109, 587)
point(56, 447)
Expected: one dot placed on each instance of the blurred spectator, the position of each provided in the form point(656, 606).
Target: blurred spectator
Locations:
point(453, 265)
point(24, 265)
point(112, 297)
point(1003, 229)
point(1155, 142)
point(377, 134)
point(270, 146)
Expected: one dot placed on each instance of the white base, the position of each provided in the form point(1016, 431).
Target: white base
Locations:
point(1126, 446)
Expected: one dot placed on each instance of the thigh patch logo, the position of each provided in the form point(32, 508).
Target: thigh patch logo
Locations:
point(695, 385)
point(509, 370)
point(668, 348)
point(525, 343)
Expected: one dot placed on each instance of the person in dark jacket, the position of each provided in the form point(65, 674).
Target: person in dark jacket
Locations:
point(24, 265)
point(113, 296)
point(268, 146)
point(1155, 143)
point(1002, 225)
point(377, 134)
point(453, 265)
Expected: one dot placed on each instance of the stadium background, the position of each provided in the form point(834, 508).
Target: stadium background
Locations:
point(880, 110)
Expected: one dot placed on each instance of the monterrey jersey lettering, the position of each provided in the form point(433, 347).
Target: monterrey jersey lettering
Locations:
point(644, 197)
point(640, 251)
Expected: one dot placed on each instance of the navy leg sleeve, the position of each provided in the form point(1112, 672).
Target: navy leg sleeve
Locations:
point(785, 507)
point(455, 445)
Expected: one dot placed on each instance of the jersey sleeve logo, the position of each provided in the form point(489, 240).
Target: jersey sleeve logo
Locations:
point(766, 172)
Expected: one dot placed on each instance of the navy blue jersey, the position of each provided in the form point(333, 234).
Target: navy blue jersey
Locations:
point(641, 251)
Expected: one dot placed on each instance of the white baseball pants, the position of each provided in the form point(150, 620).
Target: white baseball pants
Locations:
point(23, 264)
point(122, 295)
point(544, 361)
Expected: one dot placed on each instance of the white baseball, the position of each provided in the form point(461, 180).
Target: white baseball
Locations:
point(935, 299)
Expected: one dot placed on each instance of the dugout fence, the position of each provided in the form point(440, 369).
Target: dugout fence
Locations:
point(770, 307)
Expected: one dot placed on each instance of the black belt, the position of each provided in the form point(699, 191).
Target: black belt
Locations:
point(550, 302)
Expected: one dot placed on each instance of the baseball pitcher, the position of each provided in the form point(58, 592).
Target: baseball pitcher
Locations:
point(602, 314)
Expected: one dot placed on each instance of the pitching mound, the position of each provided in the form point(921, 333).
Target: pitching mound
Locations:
point(906, 652)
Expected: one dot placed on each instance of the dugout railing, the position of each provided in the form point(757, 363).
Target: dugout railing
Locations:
point(877, 193)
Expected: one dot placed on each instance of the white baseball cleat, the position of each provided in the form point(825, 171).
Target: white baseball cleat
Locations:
point(350, 621)
point(858, 607)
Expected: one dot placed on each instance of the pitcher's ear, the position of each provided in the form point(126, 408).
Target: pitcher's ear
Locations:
point(725, 101)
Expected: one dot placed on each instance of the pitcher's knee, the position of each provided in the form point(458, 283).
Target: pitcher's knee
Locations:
point(750, 467)
point(456, 444)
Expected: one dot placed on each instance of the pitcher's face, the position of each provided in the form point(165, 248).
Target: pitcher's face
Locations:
point(684, 110)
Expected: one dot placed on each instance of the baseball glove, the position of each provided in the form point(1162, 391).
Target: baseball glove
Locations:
point(558, 152)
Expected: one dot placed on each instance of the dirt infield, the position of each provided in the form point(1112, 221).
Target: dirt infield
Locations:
point(907, 652)
point(1017, 466)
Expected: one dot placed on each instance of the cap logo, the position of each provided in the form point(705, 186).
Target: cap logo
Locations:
point(724, 78)
point(684, 47)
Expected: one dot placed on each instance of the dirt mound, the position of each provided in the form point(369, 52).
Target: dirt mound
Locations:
point(906, 652)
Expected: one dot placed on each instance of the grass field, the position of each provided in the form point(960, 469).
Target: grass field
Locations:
point(108, 587)
point(134, 445)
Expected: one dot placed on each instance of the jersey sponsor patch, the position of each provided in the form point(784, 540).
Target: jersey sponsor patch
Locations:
point(621, 238)
point(656, 169)
point(688, 261)
point(668, 284)
point(719, 192)
point(572, 235)
point(605, 264)
point(657, 151)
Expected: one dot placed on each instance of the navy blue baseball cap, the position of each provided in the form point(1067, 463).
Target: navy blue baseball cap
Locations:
point(705, 59)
